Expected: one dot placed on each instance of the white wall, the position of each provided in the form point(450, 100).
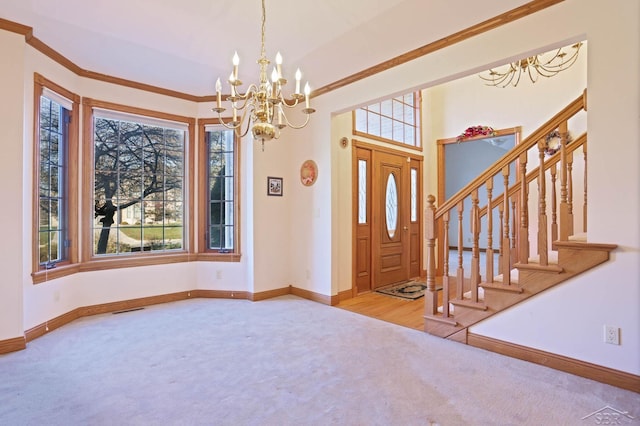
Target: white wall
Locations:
point(11, 176)
point(342, 126)
point(272, 214)
point(612, 33)
point(312, 260)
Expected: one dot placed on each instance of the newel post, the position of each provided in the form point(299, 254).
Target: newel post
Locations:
point(431, 295)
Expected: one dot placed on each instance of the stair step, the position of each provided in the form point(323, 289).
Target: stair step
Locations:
point(582, 237)
point(555, 269)
point(534, 263)
point(502, 287)
point(441, 320)
point(581, 245)
point(552, 258)
point(479, 305)
point(514, 277)
point(466, 301)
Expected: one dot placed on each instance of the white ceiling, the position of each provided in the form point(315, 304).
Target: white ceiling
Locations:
point(184, 45)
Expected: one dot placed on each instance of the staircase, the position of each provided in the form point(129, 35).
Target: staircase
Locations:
point(530, 214)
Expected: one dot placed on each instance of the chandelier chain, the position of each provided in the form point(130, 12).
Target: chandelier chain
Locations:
point(264, 23)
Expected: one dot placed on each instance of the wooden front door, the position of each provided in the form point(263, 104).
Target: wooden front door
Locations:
point(387, 217)
point(390, 220)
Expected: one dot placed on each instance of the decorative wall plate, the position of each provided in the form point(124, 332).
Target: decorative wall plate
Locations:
point(308, 172)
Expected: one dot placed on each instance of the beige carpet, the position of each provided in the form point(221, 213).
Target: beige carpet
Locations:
point(284, 361)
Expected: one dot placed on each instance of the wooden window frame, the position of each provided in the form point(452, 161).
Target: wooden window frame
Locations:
point(90, 262)
point(70, 265)
point(204, 253)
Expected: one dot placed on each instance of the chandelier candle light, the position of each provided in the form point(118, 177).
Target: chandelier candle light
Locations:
point(262, 106)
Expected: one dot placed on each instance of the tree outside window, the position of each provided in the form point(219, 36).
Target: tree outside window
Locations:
point(139, 186)
point(221, 184)
point(52, 176)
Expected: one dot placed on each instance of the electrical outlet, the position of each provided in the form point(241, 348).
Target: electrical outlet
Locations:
point(611, 335)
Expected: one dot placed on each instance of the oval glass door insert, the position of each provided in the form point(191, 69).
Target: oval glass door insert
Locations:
point(391, 204)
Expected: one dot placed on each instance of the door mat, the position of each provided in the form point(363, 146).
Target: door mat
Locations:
point(409, 290)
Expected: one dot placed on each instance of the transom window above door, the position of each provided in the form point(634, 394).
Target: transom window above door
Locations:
point(395, 120)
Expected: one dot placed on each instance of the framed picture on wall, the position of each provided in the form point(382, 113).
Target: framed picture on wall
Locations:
point(274, 186)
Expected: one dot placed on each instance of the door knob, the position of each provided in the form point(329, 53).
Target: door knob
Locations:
point(405, 228)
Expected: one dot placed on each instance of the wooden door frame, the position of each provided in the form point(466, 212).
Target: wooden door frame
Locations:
point(411, 158)
point(441, 144)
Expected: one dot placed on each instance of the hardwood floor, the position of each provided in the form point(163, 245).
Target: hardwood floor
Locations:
point(407, 313)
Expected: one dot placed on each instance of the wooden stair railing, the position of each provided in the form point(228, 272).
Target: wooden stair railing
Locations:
point(512, 204)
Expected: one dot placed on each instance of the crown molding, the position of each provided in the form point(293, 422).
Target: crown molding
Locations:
point(497, 21)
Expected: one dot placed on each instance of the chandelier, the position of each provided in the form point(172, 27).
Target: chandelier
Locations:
point(262, 107)
point(533, 66)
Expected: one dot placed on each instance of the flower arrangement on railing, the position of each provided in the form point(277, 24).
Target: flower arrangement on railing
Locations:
point(474, 131)
point(553, 142)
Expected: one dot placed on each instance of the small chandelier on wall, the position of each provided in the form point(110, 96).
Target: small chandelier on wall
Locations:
point(533, 67)
point(262, 108)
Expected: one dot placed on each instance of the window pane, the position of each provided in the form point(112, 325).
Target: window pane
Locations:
point(153, 238)
point(398, 110)
point(398, 131)
point(153, 212)
point(45, 136)
point(173, 237)
point(107, 243)
point(386, 108)
point(216, 213)
point(54, 142)
point(45, 179)
point(228, 238)
point(54, 240)
point(362, 191)
point(54, 115)
point(216, 191)
point(43, 247)
point(414, 195)
point(391, 205)
point(228, 213)
point(361, 120)
point(386, 129)
point(54, 217)
point(215, 237)
point(408, 114)
point(174, 162)
point(410, 135)
point(373, 124)
point(54, 173)
point(44, 214)
point(129, 185)
point(173, 213)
